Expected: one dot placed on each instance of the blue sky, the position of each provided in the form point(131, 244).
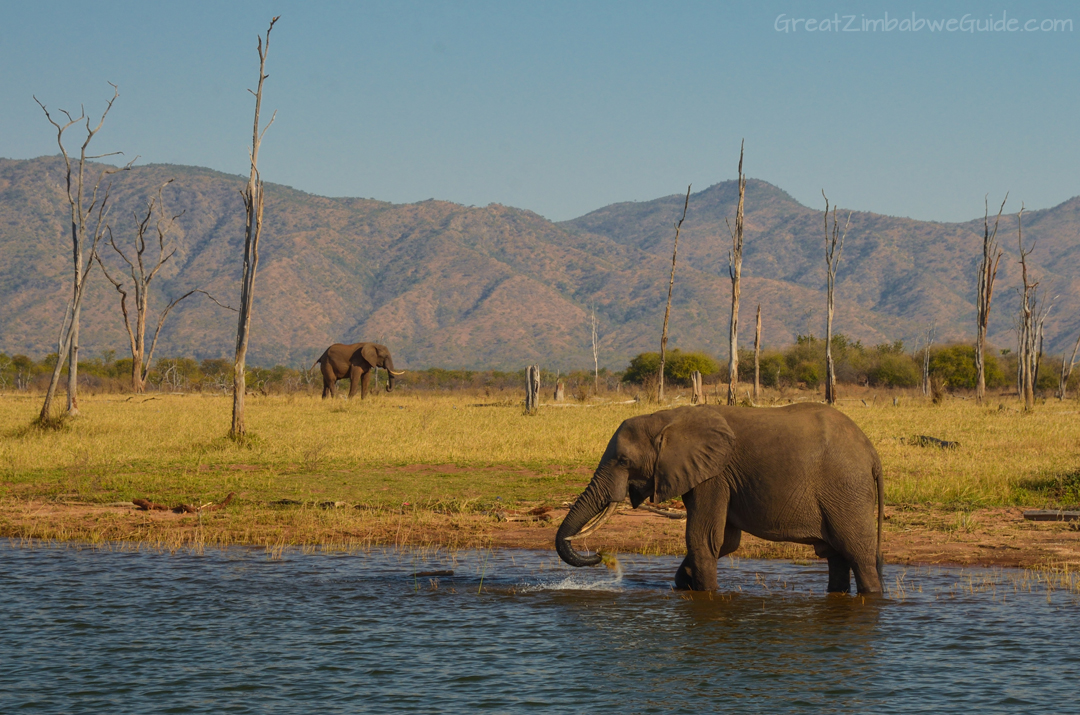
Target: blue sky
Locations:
point(562, 108)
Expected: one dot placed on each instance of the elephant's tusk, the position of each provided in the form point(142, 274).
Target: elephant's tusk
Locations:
point(395, 374)
point(595, 523)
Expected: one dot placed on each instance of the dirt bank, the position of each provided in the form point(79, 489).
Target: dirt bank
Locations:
point(913, 535)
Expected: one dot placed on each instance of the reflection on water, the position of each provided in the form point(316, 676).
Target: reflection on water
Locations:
point(100, 630)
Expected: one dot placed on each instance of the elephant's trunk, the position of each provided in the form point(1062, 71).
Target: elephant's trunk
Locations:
point(390, 374)
point(592, 504)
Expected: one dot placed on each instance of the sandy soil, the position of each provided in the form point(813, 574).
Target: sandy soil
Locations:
point(913, 535)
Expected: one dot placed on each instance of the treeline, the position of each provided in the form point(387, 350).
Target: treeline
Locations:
point(798, 366)
point(802, 365)
point(107, 374)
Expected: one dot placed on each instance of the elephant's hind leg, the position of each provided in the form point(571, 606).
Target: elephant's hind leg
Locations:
point(866, 575)
point(854, 545)
point(839, 568)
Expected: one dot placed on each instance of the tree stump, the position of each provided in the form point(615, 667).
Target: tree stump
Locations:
point(698, 396)
point(532, 389)
point(560, 391)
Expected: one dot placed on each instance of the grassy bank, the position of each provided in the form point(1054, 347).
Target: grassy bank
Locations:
point(437, 456)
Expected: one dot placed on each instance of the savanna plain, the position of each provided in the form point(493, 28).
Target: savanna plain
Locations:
point(459, 470)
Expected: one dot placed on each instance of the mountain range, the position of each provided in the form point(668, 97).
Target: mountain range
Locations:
point(498, 287)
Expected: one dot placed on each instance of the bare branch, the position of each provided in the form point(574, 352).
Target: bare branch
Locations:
point(102, 156)
point(272, 118)
point(671, 286)
point(226, 307)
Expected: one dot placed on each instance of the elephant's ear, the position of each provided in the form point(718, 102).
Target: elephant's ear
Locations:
point(369, 353)
point(696, 445)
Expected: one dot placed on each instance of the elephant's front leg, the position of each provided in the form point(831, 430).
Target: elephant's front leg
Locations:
point(707, 536)
point(356, 379)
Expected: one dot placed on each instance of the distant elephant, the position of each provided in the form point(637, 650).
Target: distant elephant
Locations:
point(803, 473)
point(354, 361)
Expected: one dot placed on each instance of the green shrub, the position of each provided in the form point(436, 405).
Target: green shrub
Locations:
point(955, 366)
point(680, 365)
point(641, 367)
point(894, 370)
point(771, 367)
point(677, 367)
point(809, 372)
point(1049, 376)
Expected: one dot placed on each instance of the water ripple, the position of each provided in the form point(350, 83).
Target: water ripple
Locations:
point(126, 631)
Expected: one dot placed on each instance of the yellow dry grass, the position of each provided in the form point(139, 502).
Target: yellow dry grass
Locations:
point(453, 453)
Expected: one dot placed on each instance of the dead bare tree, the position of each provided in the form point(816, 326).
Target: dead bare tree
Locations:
point(988, 268)
point(1066, 370)
point(142, 274)
point(1029, 329)
point(253, 203)
point(532, 389)
point(931, 331)
point(667, 311)
point(834, 247)
point(88, 207)
point(757, 356)
point(595, 351)
point(735, 273)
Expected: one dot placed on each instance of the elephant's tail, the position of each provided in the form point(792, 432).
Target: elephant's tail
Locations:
point(320, 360)
point(880, 479)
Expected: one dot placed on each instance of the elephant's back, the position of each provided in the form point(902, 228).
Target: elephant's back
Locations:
point(803, 439)
point(802, 421)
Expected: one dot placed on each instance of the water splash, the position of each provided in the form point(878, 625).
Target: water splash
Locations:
point(583, 580)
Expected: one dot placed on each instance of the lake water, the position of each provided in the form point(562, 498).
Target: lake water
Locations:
point(110, 630)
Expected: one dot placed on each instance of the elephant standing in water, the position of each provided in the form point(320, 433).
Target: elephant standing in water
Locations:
point(803, 473)
point(355, 362)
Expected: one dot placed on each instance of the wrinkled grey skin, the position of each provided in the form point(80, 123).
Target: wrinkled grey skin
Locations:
point(354, 361)
point(803, 473)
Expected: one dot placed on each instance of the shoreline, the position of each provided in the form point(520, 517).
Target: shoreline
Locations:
point(914, 534)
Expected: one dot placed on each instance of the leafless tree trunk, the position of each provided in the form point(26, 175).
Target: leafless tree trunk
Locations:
point(1025, 328)
point(1039, 349)
point(988, 268)
point(834, 247)
point(87, 229)
point(1066, 370)
point(253, 202)
point(1029, 324)
point(667, 311)
point(595, 352)
point(141, 277)
point(735, 273)
point(532, 389)
point(697, 395)
point(930, 331)
point(757, 356)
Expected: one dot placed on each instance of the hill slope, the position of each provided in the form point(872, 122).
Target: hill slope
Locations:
point(456, 286)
